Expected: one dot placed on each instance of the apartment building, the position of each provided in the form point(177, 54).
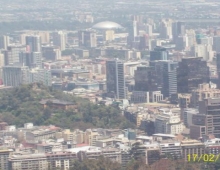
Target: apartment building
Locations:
point(192, 147)
point(30, 161)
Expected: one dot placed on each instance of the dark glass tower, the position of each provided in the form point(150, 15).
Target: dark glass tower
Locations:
point(191, 72)
point(145, 79)
point(115, 79)
point(159, 53)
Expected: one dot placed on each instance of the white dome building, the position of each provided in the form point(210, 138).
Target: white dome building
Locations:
point(106, 25)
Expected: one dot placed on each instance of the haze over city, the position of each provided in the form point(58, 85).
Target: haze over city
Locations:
point(109, 85)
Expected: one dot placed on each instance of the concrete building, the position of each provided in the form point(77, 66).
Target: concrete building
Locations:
point(4, 42)
point(144, 78)
point(4, 156)
point(15, 75)
point(172, 149)
point(87, 38)
point(169, 78)
point(34, 162)
point(168, 123)
point(51, 53)
point(218, 69)
point(210, 107)
point(40, 75)
point(41, 133)
point(216, 42)
point(159, 53)
point(190, 147)
point(60, 160)
point(91, 137)
point(33, 43)
point(31, 59)
point(190, 73)
point(12, 54)
point(59, 39)
point(204, 91)
point(166, 29)
point(115, 78)
point(178, 28)
point(109, 35)
point(140, 97)
point(188, 116)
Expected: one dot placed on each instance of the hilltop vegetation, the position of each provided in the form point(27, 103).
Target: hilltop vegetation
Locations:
point(21, 105)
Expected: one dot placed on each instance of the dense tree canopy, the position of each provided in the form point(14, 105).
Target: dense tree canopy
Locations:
point(21, 105)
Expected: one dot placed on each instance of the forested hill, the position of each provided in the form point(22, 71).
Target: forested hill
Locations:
point(21, 105)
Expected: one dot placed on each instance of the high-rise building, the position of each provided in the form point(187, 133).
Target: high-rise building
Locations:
point(33, 43)
point(178, 28)
point(60, 39)
point(144, 42)
point(4, 155)
point(159, 53)
point(51, 53)
point(4, 42)
point(33, 59)
point(145, 79)
point(211, 108)
point(12, 54)
point(115, 78)
point(191, 72)
point(132, 33)
point(2, 64)
point(218, 68)
point(216, 43)
point(149, 29)
point(87, 38)
point(169, 78)
point(166, 29)
point(15, 75)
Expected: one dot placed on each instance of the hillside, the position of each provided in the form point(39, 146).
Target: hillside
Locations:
point(21, 105)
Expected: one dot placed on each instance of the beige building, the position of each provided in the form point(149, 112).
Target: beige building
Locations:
point(30, 161)
point(4, 155)
point(203, 91)
point(109, 35)
point(190, 147)
point(91, 137)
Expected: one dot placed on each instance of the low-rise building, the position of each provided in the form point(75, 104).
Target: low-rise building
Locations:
point(190, 147)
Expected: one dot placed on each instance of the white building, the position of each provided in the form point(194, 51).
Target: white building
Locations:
point(168, 123)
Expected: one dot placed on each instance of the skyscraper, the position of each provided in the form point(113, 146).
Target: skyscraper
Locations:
point(132, 33)
point(60, 39)
point(178, 28)
point(87, 38)
point(166, 29)
point(145, 79)
point(33, 59)
point(12, 54)
point(211, 108)
point(115, 79)
point(169, 78)
point(218, 68)
point(159, 53)
point(191, 72)
point(4, 42)
point(216, 43)
point(33, 43)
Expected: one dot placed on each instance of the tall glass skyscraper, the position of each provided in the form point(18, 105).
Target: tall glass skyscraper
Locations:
point(115, 78)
